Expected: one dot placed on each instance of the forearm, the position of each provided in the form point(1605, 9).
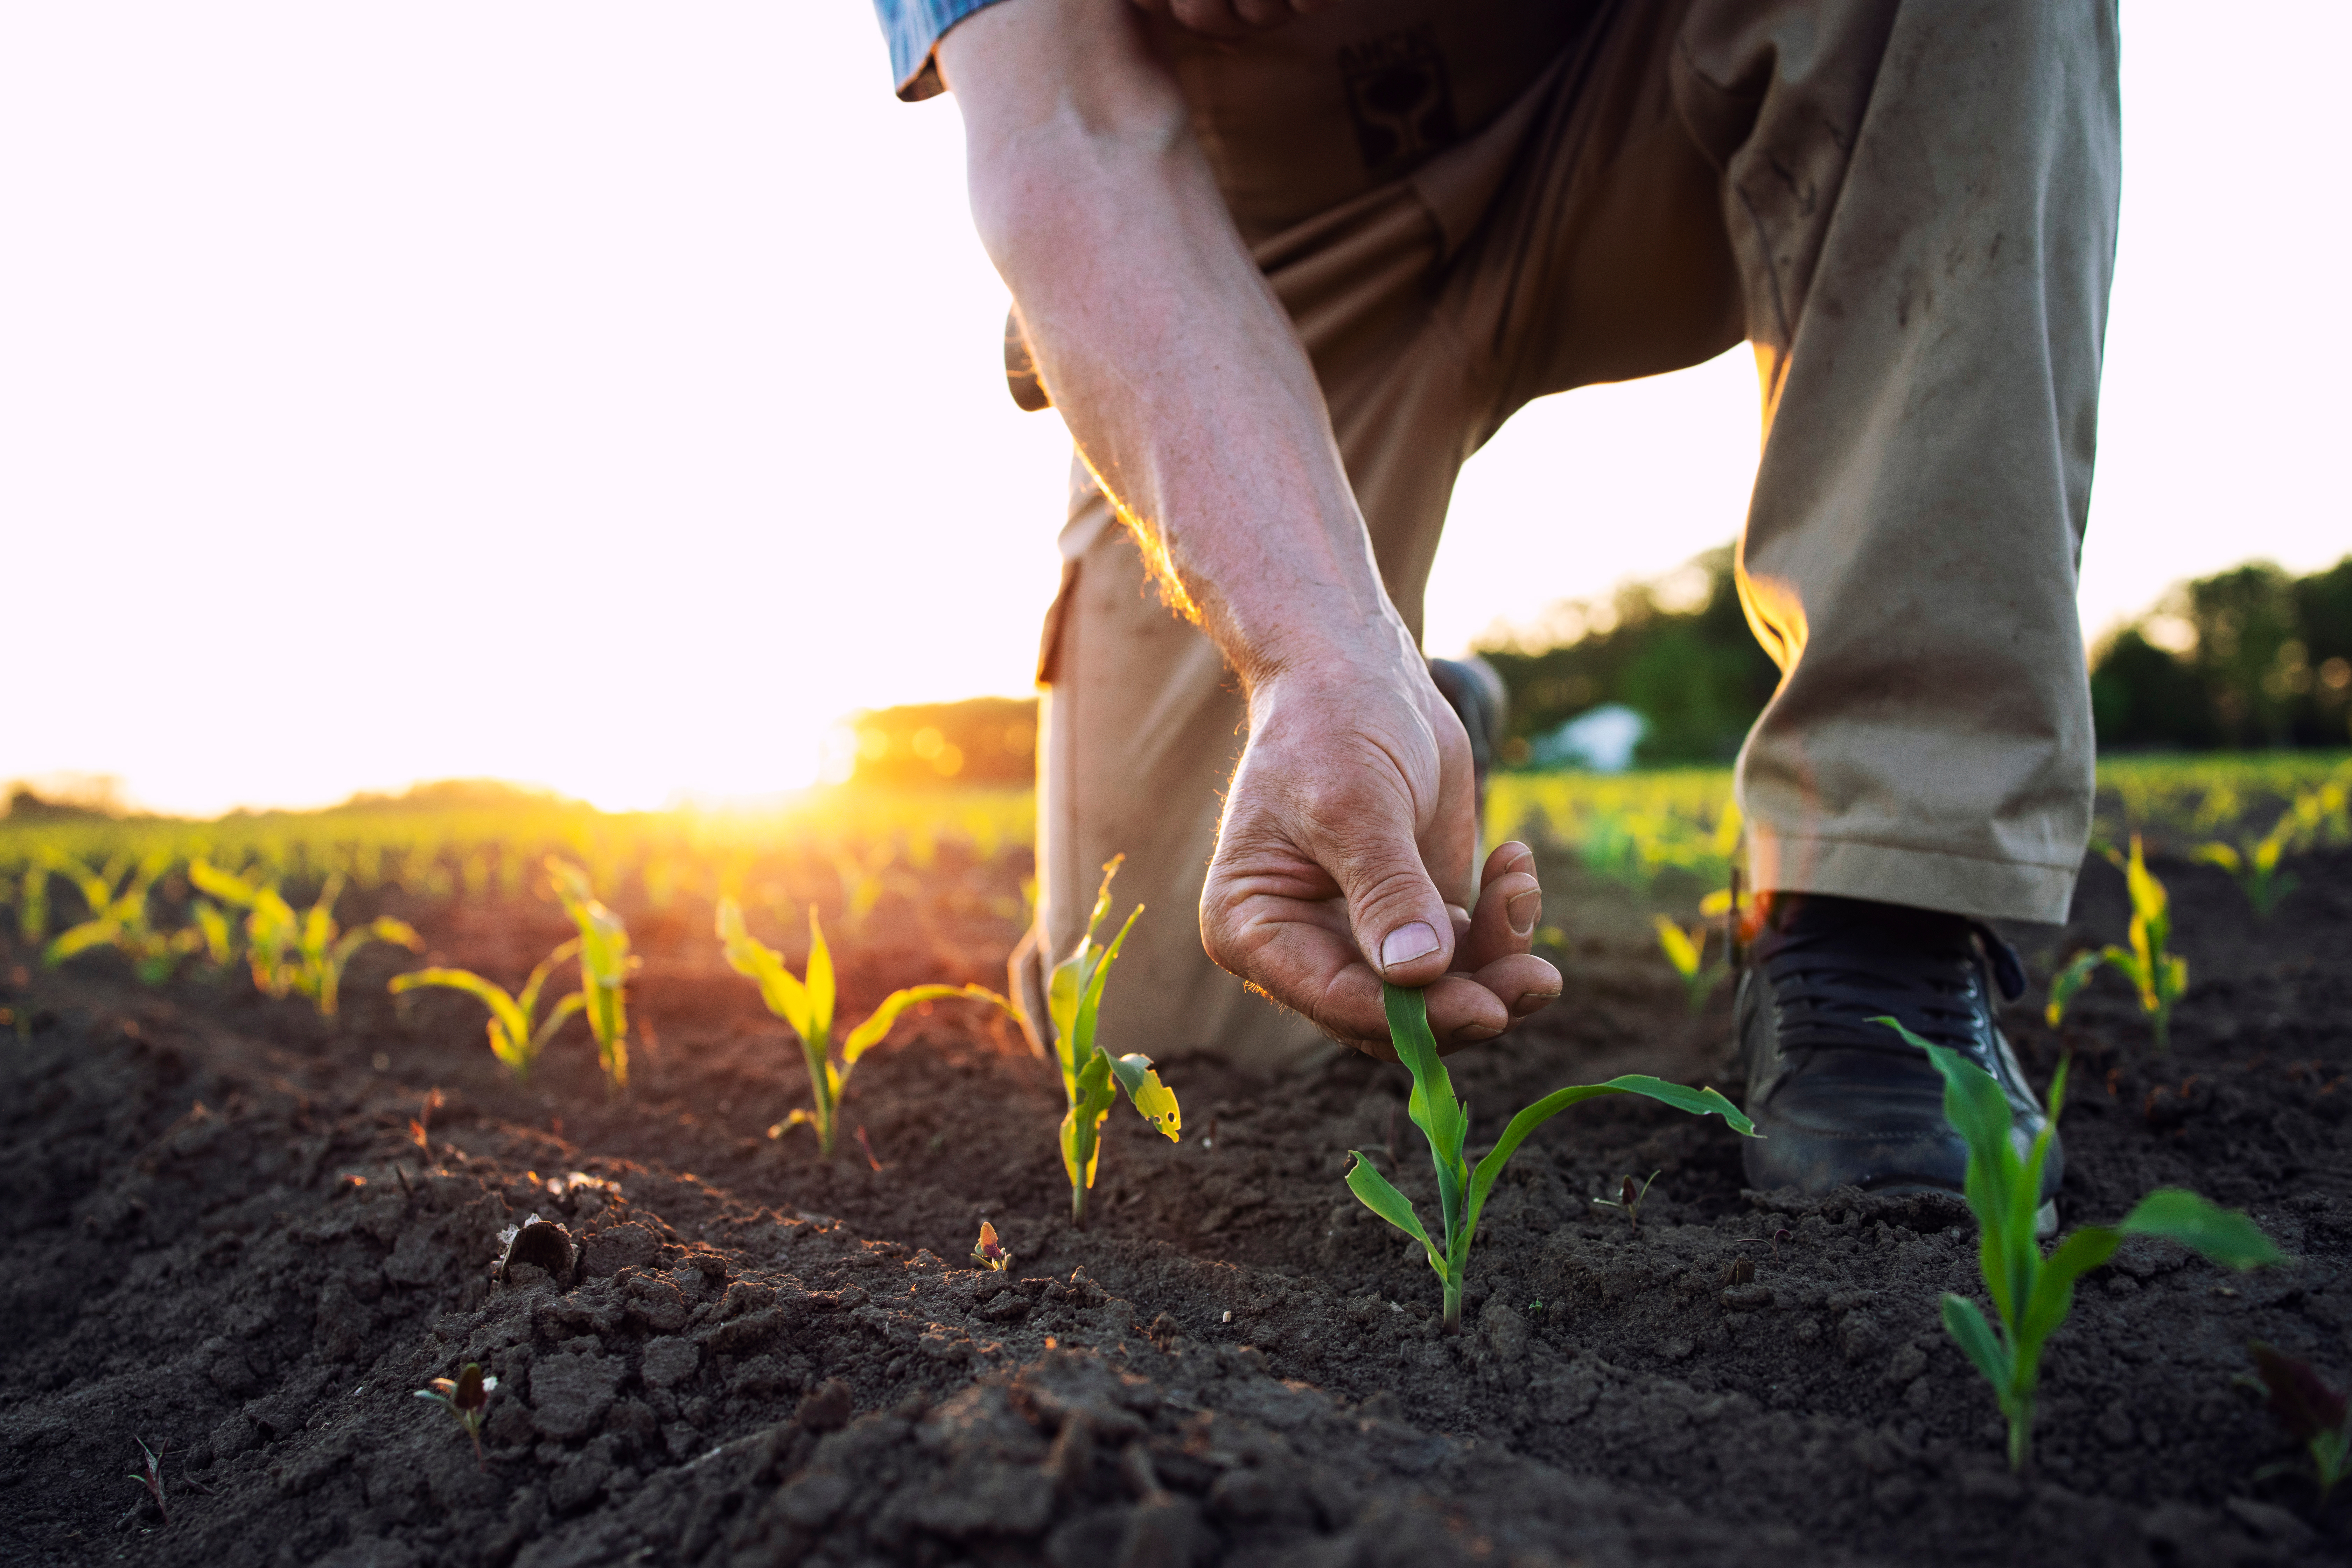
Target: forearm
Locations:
point(1182, 382)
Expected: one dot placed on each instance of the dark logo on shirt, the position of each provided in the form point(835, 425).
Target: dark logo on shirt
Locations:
point(1400, 97)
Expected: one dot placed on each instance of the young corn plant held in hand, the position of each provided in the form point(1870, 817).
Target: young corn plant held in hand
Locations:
point(1092, 1078)
point(1444, 1121)
point(516, 1039)
point(605, 965)
point(2160, 975)
point(805, 1005)
point(2031, 1294)
point(2254, 864)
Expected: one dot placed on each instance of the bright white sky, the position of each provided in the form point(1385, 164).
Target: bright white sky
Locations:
point(608, 395)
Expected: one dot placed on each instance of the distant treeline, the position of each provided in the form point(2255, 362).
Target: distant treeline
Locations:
point(1677, 651)
point(2250, 659)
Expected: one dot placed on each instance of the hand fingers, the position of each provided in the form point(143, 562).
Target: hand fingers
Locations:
point(1511, 903)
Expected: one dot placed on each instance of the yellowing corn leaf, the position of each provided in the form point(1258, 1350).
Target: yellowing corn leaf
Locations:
point(1154, 1100)
point(786, 997)
point(1680, 950)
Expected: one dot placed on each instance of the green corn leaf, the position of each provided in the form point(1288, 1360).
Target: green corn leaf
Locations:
point(878, 1022)
point(1974, 1106)
point(786, 997)
point(1078, 1147)
point(1154, 1100)
point(1680, 950)
point(1090, 1004)
point(1433, 1107)
point(1966, 1323)
point(1697, 1102)
point(491, 994)
point(1373, 1191)
point(2025, 1197)
point(384, 929)
point(2068, 983)
point(79, 939)
point(1062, 1011)
point(2221, 855)
point(212, 925)
point(1066, 986)
point(563, 1009)
point(818, 977)
point(233, 891)
point(2222, 1236)
point(2052, 1294)
point(529, 999)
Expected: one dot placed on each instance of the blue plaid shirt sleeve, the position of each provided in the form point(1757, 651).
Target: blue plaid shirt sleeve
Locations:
point(913, 28)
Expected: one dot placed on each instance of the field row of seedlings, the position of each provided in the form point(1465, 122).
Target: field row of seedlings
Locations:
point(332, 1281)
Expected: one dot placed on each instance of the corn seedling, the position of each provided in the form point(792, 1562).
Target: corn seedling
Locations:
point(211, 934)
point(2254, 864)
point(304, 954)
point(1092, 1078)
point(2315, 1416)
point(1628, 1201)
point(805, 1005)
point(2161, 976)
point(2326, 811)
point(1686, 951)
point(117, 899)
point(2031, 1294)
point(988, 1252)
point(465, 1397)
point(33, 902)
point(1445, 1121)
point(150, 1475)
point(515, 1038)
point(605, 965)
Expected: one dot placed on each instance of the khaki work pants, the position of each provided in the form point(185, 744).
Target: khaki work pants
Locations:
point(1908, 208)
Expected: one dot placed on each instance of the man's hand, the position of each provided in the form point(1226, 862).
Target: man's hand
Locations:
point(1350, 828)
point(1344, 859)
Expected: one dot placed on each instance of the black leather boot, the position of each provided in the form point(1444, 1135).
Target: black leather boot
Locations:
point(1844, 1101)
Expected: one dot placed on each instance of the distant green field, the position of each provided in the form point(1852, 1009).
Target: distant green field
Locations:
point(1630, 827)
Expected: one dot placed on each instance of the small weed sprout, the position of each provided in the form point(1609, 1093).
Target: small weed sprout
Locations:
point(465, 1397)
point(516, 1039)
point(2254, 864)
point(304, 954)
point(988, 1252)
point(2315, 1416)
point(805, 1005)
point(1628, 1200)
point(605, 965)
point(1444, 1121)
point(150, 1475)
point(2032, 1294)
point(1092, 1078)
point(2161, 976)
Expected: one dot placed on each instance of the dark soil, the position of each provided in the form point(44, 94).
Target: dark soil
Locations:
point(246, 1235)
